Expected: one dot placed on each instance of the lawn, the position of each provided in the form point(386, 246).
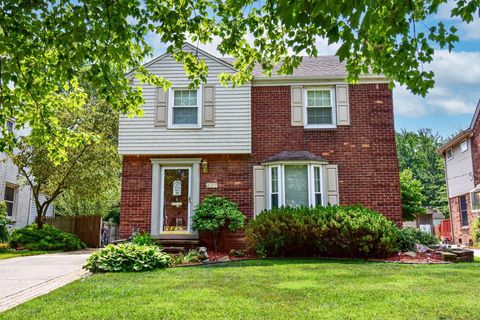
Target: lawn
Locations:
point(270, 289)
point(8, 253)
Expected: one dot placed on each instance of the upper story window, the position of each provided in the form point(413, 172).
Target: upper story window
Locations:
point(319, 108)
point(9, 197)
point(475, 199)
point(10, 126)
point(449, 154)
point(184, 108)
point(463, 146)
point(295, 185)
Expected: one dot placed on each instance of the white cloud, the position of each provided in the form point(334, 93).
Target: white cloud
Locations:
point(456, 92)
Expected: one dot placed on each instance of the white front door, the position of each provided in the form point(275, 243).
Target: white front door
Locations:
point(176, 201)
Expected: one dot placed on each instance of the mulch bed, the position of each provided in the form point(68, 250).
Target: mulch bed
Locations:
point(421, 258)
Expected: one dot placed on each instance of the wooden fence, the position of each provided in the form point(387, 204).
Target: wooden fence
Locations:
point(87, 228)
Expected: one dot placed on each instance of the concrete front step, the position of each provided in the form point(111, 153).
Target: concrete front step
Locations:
point(178, 245)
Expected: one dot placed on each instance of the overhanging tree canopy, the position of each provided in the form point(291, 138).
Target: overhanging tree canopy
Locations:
point(48, 48)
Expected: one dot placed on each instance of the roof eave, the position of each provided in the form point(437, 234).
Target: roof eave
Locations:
point(454, 141)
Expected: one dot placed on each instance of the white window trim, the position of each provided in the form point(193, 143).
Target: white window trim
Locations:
point(171, 125)
point(466, 145)
point(451, 154)
point(15, 198)
point(471, 201)
point(333, 104)
point(281, 182)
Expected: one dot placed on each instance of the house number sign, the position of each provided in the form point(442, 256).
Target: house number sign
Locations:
point(177, 188)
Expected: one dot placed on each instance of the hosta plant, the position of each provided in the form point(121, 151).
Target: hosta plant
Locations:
point(127, 257)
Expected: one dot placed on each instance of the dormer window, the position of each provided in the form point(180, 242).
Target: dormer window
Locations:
point(319, 108)
point(184, 108)
point(464, 146)
point(449, 154)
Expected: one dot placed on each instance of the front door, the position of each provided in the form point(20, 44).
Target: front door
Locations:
point(176, 200)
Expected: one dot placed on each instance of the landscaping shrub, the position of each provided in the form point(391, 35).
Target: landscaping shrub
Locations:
point(4, 221)
point(143, 239)
point(215, 213)
point(337, 231)
point(127, 257)
point(408, 237)
point(46, 239)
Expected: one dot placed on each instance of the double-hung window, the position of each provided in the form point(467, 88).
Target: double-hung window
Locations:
point(9, 197)
point(463, 211)
point(295, 185)
point(184, 108)
point(10, 126)
point(319, 108)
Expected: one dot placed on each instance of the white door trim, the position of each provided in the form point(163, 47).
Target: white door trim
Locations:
point(158, 166)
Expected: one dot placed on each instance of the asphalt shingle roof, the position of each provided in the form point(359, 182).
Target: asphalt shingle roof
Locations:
point(310, 67)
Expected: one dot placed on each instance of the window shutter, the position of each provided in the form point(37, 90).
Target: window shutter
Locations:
point(161, 108)
point(343, 107)
point(258, 189)
point(208, 105)
point(331, 184)
point(297, 105)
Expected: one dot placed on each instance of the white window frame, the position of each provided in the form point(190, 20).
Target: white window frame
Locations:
point(463, 145)
point(332, 102)
point(451, 154)
point(472, 197)
point(171, 95)
point(281, 183)
point(15, 196)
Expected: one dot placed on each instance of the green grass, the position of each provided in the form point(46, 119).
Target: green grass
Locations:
point(8, 253)
point(269, 289)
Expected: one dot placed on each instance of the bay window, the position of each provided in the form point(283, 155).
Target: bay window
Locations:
point(294, 185)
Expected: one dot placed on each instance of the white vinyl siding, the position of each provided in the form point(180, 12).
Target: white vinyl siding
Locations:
point(463, 146)
point(459, 171)
point(230, 133)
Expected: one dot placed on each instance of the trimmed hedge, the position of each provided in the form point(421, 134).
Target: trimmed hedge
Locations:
point(408, 237)
point(127, 257)
point(46, 239)
point(335, 231)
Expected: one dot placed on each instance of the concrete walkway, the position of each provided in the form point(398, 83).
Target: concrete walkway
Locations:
point(25, 278)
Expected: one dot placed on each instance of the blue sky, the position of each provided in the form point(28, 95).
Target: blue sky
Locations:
point(448, 107)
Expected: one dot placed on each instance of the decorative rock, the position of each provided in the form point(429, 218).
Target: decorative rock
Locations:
point(448, 256)
point(420, 248)
point(202, 254)
point(410, 254)
point(237, 253)
point(223, 259)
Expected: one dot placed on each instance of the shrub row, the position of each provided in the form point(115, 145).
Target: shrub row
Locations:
point(337, 231)
point(46, 239)
point(408, 237)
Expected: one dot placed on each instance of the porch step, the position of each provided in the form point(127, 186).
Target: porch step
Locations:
point(173, 249)
point(174, 244)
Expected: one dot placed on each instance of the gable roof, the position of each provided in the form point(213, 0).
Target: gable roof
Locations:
point(462, 134)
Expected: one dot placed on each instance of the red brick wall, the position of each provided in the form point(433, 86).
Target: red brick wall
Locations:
point(136, 195)
point(460, 234)
point(364, 151)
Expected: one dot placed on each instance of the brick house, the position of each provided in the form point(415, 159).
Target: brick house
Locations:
point(305, 139)
point(462, 173)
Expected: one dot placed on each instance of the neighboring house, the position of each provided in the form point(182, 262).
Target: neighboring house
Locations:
point(462, 173)
point(427, 221)
point(305, 139)
point(21, 207)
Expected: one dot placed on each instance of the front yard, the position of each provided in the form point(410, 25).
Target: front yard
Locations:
point(280, 289)
point(10, 253)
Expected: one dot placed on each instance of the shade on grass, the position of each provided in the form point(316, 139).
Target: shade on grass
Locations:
point(273, 289)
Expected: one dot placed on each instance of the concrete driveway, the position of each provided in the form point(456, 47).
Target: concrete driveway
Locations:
point(25, 278)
